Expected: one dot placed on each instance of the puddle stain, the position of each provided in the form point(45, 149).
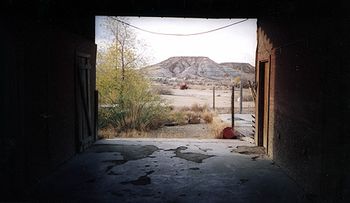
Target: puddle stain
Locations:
point(203, 149)
point(242, 181)
point(108, 168)
point(254, 158)
point(142, 180)
point(117, 194)
point(113, 173)
point(189, 156)
point(114, 162)
point(128, 152)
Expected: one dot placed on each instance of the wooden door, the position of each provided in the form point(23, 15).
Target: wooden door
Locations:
point(266, 106)
point(85, 96)
point(263, 103)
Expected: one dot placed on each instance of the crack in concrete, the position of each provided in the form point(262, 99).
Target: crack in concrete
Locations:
point(189, 156)
point(203, 149)
point(128, 152)
point(142, 180)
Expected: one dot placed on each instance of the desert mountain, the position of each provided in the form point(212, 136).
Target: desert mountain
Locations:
point(247, 68)
point(186, 67)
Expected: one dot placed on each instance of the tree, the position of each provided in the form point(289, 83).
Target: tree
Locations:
point(129, 101)
point(125, 45)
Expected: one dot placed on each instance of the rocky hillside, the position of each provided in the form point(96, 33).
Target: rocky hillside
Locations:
point(247, 68)
point(197, 68)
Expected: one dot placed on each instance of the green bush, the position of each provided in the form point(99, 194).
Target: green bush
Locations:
point(132, 105)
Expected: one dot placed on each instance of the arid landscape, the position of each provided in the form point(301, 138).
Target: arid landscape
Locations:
point(201, 75)
point(203, 95)
point(186, 85)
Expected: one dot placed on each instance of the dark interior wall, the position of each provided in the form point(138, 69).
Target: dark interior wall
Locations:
point(38, 105)
point(336, 139)
point(304, 112)
point(307, 103)
point(10, 109)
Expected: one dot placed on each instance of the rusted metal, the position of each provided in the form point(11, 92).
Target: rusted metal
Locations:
point(183, 86)
point(228, 133)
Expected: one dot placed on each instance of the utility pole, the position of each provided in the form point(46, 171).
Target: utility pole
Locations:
point(241, 93)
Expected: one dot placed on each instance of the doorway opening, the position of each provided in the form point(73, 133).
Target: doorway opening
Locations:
point(175, 77)
point(263, 103)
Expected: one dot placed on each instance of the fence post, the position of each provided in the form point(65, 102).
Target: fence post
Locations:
point(241, 93)
point(233, 107)
point(214, 98)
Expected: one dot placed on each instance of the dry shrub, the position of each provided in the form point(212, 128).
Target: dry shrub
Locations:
point(207, 116)
point(217, 127)
point(198, 108)
point(184, 108)
point(190, 115)
point(178, 117)
point(193, 117)
point(171, 107)
point(196, 113)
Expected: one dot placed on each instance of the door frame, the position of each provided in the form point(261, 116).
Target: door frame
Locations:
point(85, 132)
point(263, 103)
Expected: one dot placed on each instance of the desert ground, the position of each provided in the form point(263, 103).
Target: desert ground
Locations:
point(203, 95)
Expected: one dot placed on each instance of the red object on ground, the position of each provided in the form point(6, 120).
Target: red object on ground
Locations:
point(228, 133)
point(183, 86)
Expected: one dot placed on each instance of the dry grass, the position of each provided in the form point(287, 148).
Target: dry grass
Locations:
point(107, 133)
point(192, 117)
point(195, 114)
point(217, 127)
point(110, 132)
point(178, 117)
point(185, 108)
point(213, 131)
point(198, 108)
point(133, 134)
point(207, 116)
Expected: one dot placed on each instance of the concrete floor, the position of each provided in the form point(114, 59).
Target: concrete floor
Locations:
point(169, 170)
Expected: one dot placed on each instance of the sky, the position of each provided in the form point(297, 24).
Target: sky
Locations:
point(236, 43)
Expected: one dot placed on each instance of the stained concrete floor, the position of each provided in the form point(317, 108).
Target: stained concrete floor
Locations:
point(169, 170)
